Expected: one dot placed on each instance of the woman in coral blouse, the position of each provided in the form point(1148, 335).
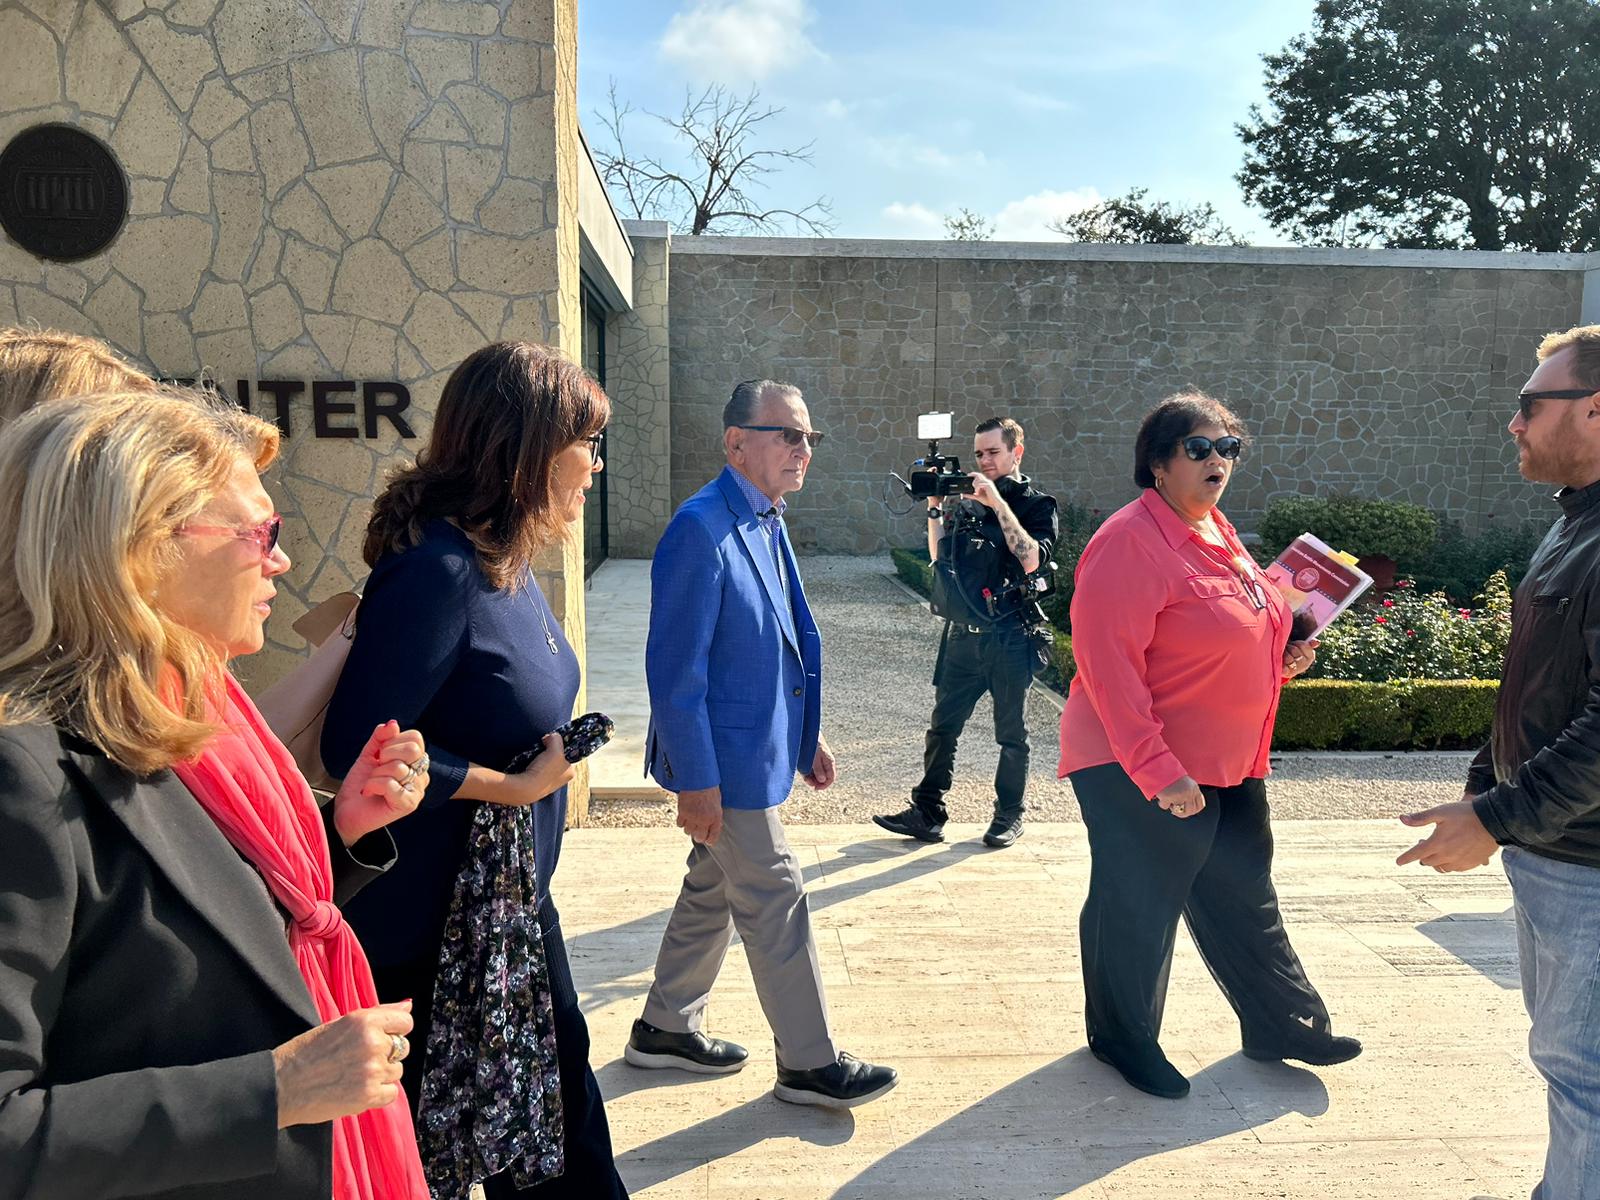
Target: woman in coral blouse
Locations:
point(1182, 649)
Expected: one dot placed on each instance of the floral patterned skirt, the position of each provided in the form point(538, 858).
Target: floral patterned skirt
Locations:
point(491, 1090)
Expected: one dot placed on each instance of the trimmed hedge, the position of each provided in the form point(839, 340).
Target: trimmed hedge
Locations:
point(1066, 664)
point(1403, 532)
point(1407, 714)
point(914, 569)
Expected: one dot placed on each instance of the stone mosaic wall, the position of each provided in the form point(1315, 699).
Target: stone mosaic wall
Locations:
point(1388, 378)
point(638, 380)
point(325, 189)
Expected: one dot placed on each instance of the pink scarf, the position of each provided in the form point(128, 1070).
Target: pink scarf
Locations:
point(248, 784)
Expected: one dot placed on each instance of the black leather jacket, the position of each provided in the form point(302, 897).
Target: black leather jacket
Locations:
point(1538, 780)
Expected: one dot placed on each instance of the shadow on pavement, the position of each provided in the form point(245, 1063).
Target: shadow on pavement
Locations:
point(1488, 946)
point(921, 860)
point(1062, 1127)
point(1073, 1123)
point(721, 1136)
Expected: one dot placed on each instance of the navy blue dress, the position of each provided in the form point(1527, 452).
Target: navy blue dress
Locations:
point(439, 649)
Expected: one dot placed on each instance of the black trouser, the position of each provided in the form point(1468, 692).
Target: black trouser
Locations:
point(590, 1170)
point(1147, 868)
point(999, 662)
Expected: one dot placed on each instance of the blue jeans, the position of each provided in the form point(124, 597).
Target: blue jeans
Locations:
point(1558, 946)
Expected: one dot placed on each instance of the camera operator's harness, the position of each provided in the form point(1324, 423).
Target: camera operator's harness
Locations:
point(939, 476)
point(977, 598)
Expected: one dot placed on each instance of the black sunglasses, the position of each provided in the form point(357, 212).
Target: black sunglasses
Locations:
point(593, 441)
point(1200, 448)
point(1525, 400)
point(791, 435)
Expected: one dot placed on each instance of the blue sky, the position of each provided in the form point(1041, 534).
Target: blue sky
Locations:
point(1017, 110)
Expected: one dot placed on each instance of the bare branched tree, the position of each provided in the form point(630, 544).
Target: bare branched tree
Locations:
point(711, 191)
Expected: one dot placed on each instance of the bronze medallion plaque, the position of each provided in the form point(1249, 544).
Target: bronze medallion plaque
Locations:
point(62, 193)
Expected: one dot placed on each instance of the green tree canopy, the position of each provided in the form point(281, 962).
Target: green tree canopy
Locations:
point(1433, 124)
point(964, 225)
point(1131, 218)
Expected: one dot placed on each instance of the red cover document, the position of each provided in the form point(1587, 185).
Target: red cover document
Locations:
point(1318, 581)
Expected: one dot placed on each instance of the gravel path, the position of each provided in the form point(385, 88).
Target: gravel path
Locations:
point(879, 643)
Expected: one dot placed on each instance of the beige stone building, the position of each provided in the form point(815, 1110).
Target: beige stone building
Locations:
point(329, 203)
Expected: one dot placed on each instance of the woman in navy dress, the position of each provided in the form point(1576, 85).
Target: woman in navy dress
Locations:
point(485, 674)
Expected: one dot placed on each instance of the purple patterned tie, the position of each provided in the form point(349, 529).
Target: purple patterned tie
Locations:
point(774, 527)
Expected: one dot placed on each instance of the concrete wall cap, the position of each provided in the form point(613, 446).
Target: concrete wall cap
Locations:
point(657, 229)
point(1294, 256)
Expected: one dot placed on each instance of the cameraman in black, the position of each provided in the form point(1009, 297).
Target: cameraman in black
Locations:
point(987, 546)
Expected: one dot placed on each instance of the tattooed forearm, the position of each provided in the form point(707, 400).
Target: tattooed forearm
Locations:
point(1018, 542)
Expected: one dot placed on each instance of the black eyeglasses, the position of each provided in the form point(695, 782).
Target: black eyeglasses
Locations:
point(1200, 448)
point(594, 440)
point(1525, 400)
point(791, 435)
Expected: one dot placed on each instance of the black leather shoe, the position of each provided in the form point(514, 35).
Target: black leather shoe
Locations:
point(1005, 829)
point(657, 1048)
point(1147, 1070)
point(1314, 1050)
point(843, 1084)
point(912, 823)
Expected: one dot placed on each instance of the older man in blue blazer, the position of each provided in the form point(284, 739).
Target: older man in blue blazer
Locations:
point(734, 663)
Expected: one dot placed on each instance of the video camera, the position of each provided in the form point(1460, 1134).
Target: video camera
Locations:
point(936, 474)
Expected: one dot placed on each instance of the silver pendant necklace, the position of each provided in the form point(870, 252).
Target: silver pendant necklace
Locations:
point(549, 638)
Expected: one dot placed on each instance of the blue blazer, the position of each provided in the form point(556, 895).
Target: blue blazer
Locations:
point(735, 675)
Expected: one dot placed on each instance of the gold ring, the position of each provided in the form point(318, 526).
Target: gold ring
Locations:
point(397, 1047)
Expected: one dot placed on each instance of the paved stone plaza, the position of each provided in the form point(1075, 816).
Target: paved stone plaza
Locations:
point(960, 967)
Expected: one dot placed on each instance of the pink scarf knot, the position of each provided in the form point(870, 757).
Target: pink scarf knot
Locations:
point(322, 921)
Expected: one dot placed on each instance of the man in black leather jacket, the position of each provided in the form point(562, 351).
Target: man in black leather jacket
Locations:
point(1535, 788)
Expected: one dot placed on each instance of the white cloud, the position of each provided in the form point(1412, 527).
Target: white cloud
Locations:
point(900, 152)
point(738, 40)
point(836, 108)
point(914, 220)
point(1024, 220)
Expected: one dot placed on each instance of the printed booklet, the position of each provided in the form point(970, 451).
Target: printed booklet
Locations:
point(1318, 581)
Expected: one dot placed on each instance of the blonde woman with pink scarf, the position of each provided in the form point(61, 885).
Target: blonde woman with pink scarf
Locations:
point(183, 1011)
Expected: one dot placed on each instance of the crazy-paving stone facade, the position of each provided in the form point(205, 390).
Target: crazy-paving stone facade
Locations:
point(320, 189)
point(1376, 373)
point(313, 196)
point(638, 380)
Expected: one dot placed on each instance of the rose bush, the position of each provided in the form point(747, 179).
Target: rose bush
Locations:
point(1405, 635)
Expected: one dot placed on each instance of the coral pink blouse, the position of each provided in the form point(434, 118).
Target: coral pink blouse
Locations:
point(1180, 660)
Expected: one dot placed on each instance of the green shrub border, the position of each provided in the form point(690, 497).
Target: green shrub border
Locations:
point(1406, 714)
point(914, 570)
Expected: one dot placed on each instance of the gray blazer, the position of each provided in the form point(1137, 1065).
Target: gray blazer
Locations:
point(145, 978)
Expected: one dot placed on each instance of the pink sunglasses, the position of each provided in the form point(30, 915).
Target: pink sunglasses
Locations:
point(264, 535)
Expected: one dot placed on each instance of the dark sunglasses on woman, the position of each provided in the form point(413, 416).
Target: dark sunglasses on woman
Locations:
point(1200, 448)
